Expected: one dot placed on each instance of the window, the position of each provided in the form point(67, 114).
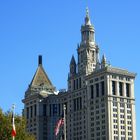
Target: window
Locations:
point(114, 103)
point(96, 79)
point(80, 102)
point(128, 105)
point(122, 105)
point(115, 132)
point(113, 87)
point(115, 126)
point(123, 138)
point(54, 109)
point(76, 83)
point(97, 90)
point(129, 128)
point(77, 103)
point(50, 110)
point(59, 108)
point(122, 133)
point(34, 110)
point(115, 115)
point(102, 77)
point(127, 90)
point(115, 121)
point(114, 109)
point(103, 88)
point(31, 112)
point(115, 137)
point(122, 121)
point(129, 133)
point(92, 91)
point(44, 110)
point(122, 110)
point(27, 112)
point(74, 102)
point(114, 76)
point(128, 117)
point(80, 82)
point(121, 88)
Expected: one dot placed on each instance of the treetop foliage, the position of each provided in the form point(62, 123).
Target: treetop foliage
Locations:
point(6, 127)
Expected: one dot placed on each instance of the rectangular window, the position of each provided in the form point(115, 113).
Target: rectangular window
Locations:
point(103, 87)
point(127, 90)
point(92, 91)
point(34, 110)
point(80, 102)
point(50, 110)
point(97, 90)
point(77, 101)
point(113, 87)
point(44, 110)
point(54, 109)
point(80, 82)
point(59, 109)
point(121, 88)
point(27, 113)
point(76, 83)
point(31, 111)
point(74, 104)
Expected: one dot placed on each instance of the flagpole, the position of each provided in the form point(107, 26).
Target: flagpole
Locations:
point(13, 109)
point(64, 122)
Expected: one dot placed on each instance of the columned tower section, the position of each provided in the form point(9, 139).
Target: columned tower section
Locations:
point(87, 50)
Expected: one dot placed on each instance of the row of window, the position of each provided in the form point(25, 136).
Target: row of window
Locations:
point(121, 116)
point(122, 121)
point(114, 88)
point(29, 111)
point(122, 138)
point(123, 133)
point(77, 83)
point(77, 103)
point(54, 109)
point(96, 91)
point(122, 105)
point(98, 135)
point(96, 79)
point(120, 78)
point(121, 110)
point(122, 127)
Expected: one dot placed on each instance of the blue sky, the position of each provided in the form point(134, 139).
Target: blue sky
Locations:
point(52, 28)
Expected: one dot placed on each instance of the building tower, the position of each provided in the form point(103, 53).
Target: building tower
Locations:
point(34, 106)
point(88, 50)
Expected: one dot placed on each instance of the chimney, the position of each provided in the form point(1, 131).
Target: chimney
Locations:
point(40, 60)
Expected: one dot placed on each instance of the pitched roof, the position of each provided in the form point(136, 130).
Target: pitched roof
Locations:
point(41, 79)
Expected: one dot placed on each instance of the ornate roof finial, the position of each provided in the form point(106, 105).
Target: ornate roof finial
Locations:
point(87, 18)
point(104, 59)
point(87, 12)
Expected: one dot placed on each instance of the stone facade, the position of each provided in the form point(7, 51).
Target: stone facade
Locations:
point(100, 101)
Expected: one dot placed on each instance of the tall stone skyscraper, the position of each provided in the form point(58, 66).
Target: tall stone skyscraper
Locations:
point(100, 101)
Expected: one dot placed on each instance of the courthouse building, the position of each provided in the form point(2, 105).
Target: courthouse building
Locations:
point(100, 101)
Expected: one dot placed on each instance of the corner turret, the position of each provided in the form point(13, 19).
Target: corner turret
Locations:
point(72, 66)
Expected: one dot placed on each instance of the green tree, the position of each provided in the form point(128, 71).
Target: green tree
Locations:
point(6, 127)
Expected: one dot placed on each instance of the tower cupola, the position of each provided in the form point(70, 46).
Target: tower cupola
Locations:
point(87, 30)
